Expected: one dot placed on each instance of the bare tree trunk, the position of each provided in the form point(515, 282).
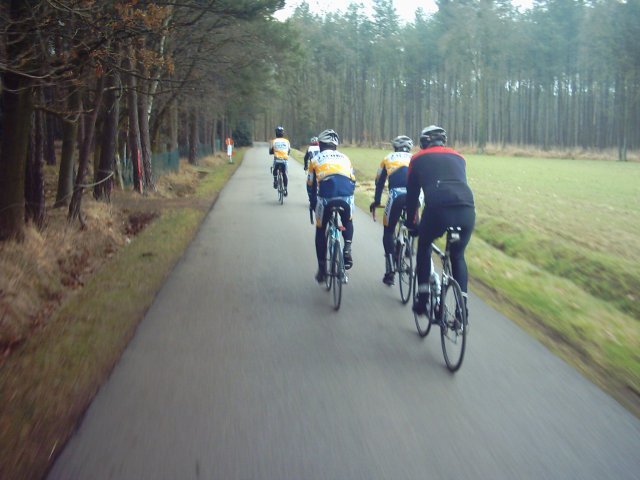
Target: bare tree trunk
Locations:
point(135, 148)
point(145, 141)
point(69, 139)
point(215, 134)
point(17, 106)
point(143, 117)
point(34, 182)
point(193, 137)
point(173, 126)
point(78, 189)
point(50, 130)
point(154, 83)
point(105, 170)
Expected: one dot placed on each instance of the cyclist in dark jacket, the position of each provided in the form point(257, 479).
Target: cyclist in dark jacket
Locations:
point(440, 172)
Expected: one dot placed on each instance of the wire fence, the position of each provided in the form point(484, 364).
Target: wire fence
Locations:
point(164, 162)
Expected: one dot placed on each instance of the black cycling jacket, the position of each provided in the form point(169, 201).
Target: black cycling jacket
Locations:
point(441, 173)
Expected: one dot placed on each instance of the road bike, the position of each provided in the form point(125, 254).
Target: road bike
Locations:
point(403, 251)
point(445, 308)
point(336, 275)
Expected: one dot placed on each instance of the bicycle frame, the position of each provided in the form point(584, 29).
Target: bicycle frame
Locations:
point(402, 234)
point(445, 259)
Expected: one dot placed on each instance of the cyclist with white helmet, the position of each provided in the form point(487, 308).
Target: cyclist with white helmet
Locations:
point(312, 151)
point(331, 181)
point(440, 172)
point(393, 168)
point(280, 149)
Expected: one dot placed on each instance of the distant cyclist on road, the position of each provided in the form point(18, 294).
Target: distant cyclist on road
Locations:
point(312, 151)
point(440, 172)
point(331, 181)
point(393, 167)
point(280, 149)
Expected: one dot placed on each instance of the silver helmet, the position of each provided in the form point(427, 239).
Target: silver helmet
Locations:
point(329, 137)
point(402, 143)
point(432, 135)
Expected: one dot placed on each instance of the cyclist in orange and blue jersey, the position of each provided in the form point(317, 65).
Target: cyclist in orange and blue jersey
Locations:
point(280, 149)
point(393, 168)
point(331, 182)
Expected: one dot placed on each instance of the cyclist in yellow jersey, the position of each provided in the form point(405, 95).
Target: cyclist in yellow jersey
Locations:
point(331, 181)
point(280, 149)
point(394, 169)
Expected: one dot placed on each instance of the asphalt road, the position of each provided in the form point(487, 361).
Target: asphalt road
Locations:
point(241, 369)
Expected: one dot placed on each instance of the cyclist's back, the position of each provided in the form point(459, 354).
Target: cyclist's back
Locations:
point(330, 181)
point(280, 148)
point(312, 151)
point(393, 169)
point(440, 172)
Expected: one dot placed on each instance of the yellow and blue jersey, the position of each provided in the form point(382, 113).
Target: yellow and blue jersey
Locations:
point(330, 175)
point(393, 167)
point(280, 148)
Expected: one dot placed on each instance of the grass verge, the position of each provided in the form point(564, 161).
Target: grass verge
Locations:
point(47, 384)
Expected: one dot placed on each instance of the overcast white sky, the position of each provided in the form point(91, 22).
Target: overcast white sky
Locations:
point(405, 8)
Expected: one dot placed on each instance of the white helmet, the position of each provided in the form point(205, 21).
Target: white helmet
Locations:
point(329, 137)
point(402, 144)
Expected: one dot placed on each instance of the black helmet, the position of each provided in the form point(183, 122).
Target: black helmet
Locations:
point(279, 131)
point(402, 144)
point(432, 135)
point(330, 137)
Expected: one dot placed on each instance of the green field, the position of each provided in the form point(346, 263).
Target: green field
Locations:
point(557, 247)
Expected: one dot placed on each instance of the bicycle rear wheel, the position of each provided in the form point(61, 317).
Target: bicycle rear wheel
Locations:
point(337, 274)
point(453, 325)
point(404, 261)
point(280, 188)
point(423, 322)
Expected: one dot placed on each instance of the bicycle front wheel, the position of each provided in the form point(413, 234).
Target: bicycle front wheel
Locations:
point(404, 261)
point(453, 325)
point(423, 322)
point(337, 274)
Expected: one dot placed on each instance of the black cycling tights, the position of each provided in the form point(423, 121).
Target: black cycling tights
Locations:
point(394, 215)
point(347, 233)
point(433, 225)
point(282, 167)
